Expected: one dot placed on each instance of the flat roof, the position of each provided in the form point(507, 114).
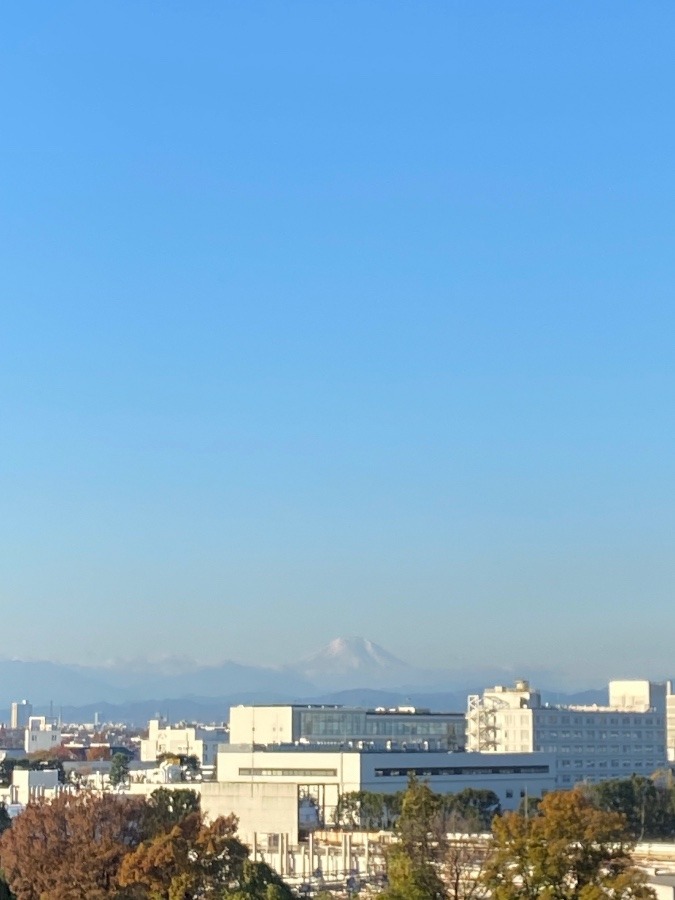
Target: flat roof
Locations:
point(377, 710)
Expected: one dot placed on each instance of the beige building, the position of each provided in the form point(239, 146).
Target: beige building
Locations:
point(670, 722)
point(404, 727)
point(20, 713)
point(182, 740)
point(591, 743)
point(41, 734)
point(320, 775)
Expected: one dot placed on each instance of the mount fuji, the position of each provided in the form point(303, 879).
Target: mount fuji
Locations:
point(354, 662)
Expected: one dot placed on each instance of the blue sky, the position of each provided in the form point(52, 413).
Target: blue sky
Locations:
point(330, 318)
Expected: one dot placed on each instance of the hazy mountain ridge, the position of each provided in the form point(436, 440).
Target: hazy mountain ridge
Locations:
point(348, 671)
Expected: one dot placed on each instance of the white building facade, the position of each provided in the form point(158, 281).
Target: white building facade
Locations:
point(323, 774)
point(20, 713)
point(670, 722)
point(182, 740)
point(399, 728)
point(590, 743)
point(41, 735)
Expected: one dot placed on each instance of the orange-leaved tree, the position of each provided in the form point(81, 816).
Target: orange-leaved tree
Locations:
point(570, 850)
point(71, 847)
point(187, 859)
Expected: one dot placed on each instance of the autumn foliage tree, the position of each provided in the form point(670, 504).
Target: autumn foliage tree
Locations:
point(70, 848)
point(570, 850)
point(189, 859)
point(90, 847)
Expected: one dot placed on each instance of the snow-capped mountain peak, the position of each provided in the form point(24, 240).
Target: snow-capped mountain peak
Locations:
point(355, 662)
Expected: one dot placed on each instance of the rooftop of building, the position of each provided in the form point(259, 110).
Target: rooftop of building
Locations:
point(376, 710)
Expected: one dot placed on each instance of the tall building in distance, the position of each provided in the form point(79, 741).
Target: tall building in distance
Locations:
point(591, 743)
point(20, 713)
point(670, 722)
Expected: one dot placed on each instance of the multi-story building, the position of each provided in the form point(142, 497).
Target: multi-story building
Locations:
point(590, 743)
point(404, 727)
point(20, 713)
point(41, 734)
point(670, 722)
point(324, 773)
point(182, 740)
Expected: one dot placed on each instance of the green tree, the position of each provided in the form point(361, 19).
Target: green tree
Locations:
point(649, 808)
point(367, 810)
point(470, 810)
point(570, 850)
point(413, 864)
point(5, 893)
point(259, 882)
point(166, 808)
point(119, 769)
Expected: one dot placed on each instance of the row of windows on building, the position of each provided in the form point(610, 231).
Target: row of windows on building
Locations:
point(398, 773)
point(598, 718)
point(289, 773)
point(599, 748)
point(649, 764)
point(462, 770)
point(350, 725)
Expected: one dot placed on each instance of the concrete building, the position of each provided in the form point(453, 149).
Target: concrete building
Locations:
point(638, 696)
point(41, 734)
point(20, 713)
point(182, 740)
point(670, 722)
point(403, 727)
point(321, 774)
point(591, 743)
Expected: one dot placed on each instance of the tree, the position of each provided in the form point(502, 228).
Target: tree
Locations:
point(570, 850)
point(166, 808)
point(41, 759)
point(93, 754)
point(470, 810)
point(367, 809)
point(5, 893)
point(413, 864)
point(259, 882)
point(463, 866)
point(70, 848)
point(649, 808)
point(190, 859)
point(119, 769)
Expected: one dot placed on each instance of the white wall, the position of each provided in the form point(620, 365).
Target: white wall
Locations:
point(260, 808)
point(261, 724)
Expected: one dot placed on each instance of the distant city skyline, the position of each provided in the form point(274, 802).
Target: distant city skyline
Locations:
point(331, 319)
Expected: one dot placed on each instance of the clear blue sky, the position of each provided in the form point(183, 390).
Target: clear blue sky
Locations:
point(328, 318)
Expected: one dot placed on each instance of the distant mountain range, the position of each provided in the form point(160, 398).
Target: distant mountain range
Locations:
point(348, 671)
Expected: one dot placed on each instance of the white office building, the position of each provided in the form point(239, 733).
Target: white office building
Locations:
point(201, 741)
point(590, 743)
point(403, 728)
point(323, 774)
point(670, 722)
point(41, 734)
point(20, 713)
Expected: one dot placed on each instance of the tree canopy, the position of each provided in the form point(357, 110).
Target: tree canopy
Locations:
point(413, 862)
point(570, 850)
point(71, 847)
point(89, 847)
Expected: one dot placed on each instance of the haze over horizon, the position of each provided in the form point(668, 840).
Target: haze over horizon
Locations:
point(333, 319)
